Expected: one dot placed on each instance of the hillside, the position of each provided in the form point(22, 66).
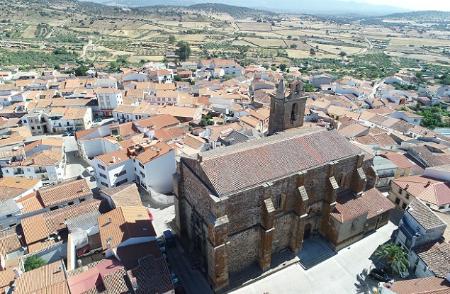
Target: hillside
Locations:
point(234, 11)
point(422, 16)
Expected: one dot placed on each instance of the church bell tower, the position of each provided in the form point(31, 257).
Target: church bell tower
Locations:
point(287, 111)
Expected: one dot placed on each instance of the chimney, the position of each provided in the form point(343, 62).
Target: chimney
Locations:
point(17, 273)
point(427, 184)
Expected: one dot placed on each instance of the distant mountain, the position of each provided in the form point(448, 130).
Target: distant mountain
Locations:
point(431, 15)
point(235, 11)
point(330, 7)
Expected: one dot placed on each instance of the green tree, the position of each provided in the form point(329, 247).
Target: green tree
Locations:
point(183, 50)
point(283, 67)
point(394, 256)
point(81, 70)
point(33, 262)
point(172, 39)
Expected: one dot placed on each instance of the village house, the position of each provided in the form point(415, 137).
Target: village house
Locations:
point(420, 234)
point(43, 161)
point(150, 164)
point(108, 100)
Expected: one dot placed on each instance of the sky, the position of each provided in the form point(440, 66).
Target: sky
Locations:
point(412, 4)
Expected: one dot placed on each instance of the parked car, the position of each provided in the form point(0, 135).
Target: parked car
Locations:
point(90, 170)
point(379, 275)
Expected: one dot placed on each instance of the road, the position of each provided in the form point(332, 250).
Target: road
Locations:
point(346, 272)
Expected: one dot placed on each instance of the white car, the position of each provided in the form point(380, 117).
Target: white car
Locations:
point(90, 170)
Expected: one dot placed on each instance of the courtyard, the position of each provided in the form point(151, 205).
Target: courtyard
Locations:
point(344, 272)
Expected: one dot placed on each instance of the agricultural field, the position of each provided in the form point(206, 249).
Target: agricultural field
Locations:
point(101, 34)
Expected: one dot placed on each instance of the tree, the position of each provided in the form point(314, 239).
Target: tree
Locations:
point(342, 54)
point(183, 51)
point(312, 52)
point(283, 67)
point(33, 262)
point(395, 257)
point(81, 70)
point(172, 39)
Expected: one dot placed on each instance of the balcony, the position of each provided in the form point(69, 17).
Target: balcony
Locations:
point(18, 172)
point(40, 171)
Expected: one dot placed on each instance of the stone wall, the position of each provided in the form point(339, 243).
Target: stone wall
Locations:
point(282, 233)
point(243, 249)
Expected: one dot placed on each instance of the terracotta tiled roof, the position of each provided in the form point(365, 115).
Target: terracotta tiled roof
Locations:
point(115, 157)
point(179, 111)
point(426, 189)
point(124, 195)
point(75, 113)
point(157, 122)
point(372, 202)
point(48, 279)
point(6, 278)
point(40, 226)
point(35, 228)
point(64, 192)
point(399, 159)
point(30, 203)
point(436, 257)
point(429, 285)
point(152, 276)
point(153, 152)
point(45, 158)
point(123, 223)
point(9, 241)
point(249, 164)
point(353, 130)
point(423, 215)
point(11, 187)
point(168, 134)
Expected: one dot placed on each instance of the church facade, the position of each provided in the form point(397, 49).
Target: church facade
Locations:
point(239, 205)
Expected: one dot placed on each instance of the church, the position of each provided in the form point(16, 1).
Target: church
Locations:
point(237, 206)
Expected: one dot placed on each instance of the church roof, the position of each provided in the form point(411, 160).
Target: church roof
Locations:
point(242, 166)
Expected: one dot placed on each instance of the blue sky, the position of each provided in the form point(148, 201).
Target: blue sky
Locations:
point(412, 4)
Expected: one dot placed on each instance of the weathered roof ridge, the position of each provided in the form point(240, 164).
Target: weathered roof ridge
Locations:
point(285, 136)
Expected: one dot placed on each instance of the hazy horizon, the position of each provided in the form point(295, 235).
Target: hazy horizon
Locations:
point(410, 4)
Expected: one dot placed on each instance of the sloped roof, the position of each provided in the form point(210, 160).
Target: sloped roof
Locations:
point(371, 202)
point(123, 223)
point(423, 215)
point(49, 278)
point(428, 285)
point(436, 257)
point(253, 163)
point(426, 189)
point(64, 192)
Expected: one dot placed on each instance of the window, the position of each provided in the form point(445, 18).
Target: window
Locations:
point(404, 206)
point(140, 164)
point(124, 172)
point(407, 195)
point(142, 174)
point(102, 175)
point(53, 208)
point(9, 215)
point(397, 200)
point(101, 167)
point(70, 203)
point(294, 112)
point(400, 191)
point(442, 207)
point(82, 199)
point(121, 182)
point(104, 184)
point(278, 201)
